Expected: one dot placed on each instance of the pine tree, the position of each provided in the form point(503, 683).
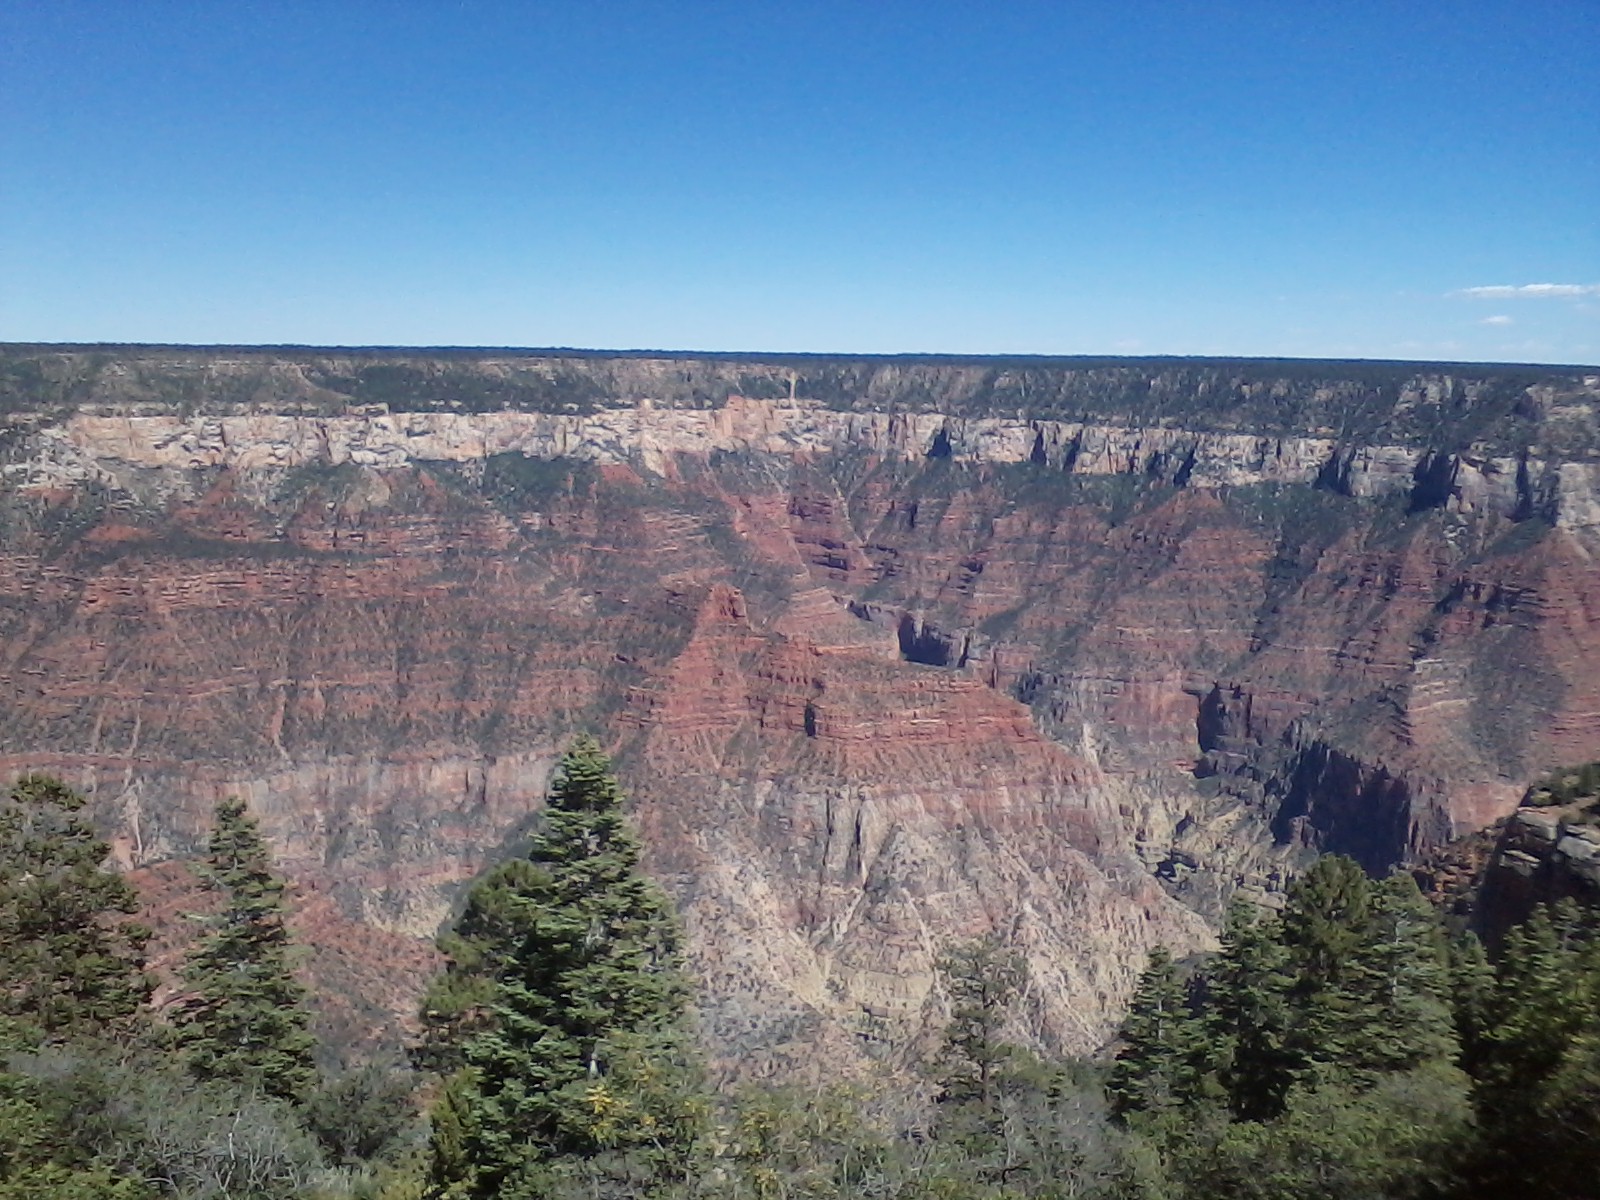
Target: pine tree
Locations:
point(1399, 988)
point(1325, 919)
point(1543, 1000)
point(1536, 1062)
point(247, 1019)
point(481, 953)
point(1163, 1057)
point(982, 979)
point(70, 961)
point(1556, 1155)
point(1248, 1015)
point(584, 1063)
point(1326, 924)
point(1472, 987)
point(451, 1169)
point(41, 1158)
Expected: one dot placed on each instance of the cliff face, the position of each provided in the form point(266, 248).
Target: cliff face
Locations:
point(889, 652)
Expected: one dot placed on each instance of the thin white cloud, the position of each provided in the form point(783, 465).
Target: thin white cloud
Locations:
point(1498, 319)
point(1529, 291)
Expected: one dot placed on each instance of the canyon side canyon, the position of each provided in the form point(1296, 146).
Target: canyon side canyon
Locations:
point(889, 652)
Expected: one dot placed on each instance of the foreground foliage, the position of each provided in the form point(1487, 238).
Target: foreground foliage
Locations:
point(101, 1099)
point(1343, 1049)
point(1338, 1049)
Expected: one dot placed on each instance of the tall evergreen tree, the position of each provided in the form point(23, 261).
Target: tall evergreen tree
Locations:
point(1325, 920)
point(70, 960)
point(982, 979)
point(1249, 1017)
point(1544, 999)
point(247, 1018)
point(1163, 1060)
point(581, 1068)
point(1536, 1061)
point(1326, 926)
point(1399, 990)
point(1555, 1158)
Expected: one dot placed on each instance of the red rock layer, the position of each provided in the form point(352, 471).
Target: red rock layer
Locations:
point(865, 707)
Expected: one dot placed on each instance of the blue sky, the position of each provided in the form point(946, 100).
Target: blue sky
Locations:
point(1283, 178)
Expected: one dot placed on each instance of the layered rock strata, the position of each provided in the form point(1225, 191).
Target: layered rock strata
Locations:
point(890, 653)
point(92, 446)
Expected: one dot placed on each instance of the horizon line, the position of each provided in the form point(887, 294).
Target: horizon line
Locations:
point(767, 356)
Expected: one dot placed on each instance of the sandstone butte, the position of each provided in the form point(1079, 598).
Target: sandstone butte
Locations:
point(889, 652)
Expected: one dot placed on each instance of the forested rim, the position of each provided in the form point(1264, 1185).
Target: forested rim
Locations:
point(1347, 1046)
point(1501, 405)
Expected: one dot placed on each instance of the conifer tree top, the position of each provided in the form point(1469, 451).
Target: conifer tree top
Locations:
point(583, 781)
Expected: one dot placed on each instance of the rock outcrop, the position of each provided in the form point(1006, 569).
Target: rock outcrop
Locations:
point(86, 445)
point(890, 652)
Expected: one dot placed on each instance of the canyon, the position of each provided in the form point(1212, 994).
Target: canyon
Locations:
point(889, 652)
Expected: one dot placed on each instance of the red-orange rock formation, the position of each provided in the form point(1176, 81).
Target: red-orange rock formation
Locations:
point(1072, 652)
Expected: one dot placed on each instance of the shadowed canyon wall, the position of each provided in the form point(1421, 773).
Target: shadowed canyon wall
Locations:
point(890, 652)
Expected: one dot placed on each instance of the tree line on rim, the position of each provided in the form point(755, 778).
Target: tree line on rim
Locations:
point(1343, 1048)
